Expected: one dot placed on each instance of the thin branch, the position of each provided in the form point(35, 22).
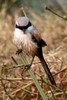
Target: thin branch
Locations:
point(24, 12)
point(21, 88)
point(4, 88)
point(36, 63)
point(60, 72)
point(52, 11)
point(14, 60)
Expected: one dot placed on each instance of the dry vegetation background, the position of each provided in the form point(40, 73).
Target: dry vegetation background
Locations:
point(54, 32)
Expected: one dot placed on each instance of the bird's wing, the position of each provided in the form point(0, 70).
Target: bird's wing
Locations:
point(37, 38)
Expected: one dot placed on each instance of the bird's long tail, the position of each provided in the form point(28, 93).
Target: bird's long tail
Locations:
point(47, 70)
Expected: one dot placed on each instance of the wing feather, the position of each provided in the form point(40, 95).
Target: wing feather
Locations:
point(37, 38)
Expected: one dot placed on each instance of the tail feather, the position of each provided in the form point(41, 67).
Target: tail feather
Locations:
point(47, 70)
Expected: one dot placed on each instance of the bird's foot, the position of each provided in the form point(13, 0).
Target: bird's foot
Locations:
point(19, 51)
point(27, 67)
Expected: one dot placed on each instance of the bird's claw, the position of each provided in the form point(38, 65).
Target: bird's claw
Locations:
point(19, 51)
point(27, 67)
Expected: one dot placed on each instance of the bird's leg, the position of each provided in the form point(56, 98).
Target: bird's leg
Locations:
point(19, 51)
point(29, 65)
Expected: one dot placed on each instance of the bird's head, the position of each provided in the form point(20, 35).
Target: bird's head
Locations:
point(23, 23)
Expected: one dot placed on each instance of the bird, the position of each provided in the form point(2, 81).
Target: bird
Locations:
point(29, 41)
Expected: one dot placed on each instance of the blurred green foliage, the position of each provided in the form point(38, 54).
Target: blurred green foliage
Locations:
point(12, 5)
point(37, 6)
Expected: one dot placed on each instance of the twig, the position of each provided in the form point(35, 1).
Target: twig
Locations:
point(60, 72)
point(22, 88)
point(18, 79)
point(37, 63)
point(3, 85)
point(14, 60)
point(24, 12)
point(35, 79)
point(47, 8)
point(52, 92)
point(58, 93)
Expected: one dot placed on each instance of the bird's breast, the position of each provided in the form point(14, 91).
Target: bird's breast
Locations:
point(24, 42)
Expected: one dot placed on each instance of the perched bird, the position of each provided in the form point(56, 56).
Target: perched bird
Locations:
point(29, 41)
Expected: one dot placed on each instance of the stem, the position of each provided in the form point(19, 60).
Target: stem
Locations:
point(47, 8)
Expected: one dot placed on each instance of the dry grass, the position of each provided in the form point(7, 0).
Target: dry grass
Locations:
point(54, 31)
